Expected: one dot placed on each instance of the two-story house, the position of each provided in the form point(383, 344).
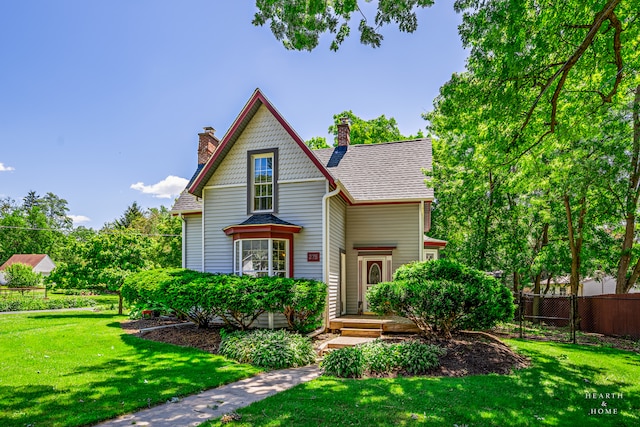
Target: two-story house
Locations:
point(262, 203)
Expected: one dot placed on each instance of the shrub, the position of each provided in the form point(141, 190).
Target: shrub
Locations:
point(21, 276)
point(268, 349)
point(347, 362)
point(443, 296)
point(303, 310)
point(417, 358)
point(379, 357)
point(28, 303)
point(236, 300)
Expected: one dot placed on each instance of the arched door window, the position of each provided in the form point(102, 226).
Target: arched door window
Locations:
point(374, 274)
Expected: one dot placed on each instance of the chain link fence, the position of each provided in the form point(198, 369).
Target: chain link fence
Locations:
point(563, 315)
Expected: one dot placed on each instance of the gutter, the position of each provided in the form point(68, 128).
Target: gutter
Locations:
point(325, 244)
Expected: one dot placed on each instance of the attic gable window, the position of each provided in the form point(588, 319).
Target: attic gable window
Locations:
point(262, 180)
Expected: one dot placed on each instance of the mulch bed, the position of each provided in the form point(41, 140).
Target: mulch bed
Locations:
point(466, 354)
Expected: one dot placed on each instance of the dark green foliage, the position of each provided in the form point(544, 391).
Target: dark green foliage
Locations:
point(305, 304)
point(236, 300)
point(443, 296)
point(346, 362)
point(298, 24)
point(418, 358)
point(378, 357)
point(20, 275)
point(268, 349)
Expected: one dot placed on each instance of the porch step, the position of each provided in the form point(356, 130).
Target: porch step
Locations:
point(343, 341)
point(361, 332)
point(370, 324)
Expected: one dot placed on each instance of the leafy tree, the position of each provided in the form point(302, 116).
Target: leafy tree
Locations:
point(131, 215)
point(374, 131)
point(317, 143)
point(103, 262)
point(298, 24)
point(28, 229)
point(20, 275)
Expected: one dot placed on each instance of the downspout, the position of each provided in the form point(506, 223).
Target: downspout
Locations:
point(422, 231)
point(325, 241)
point(184, 240)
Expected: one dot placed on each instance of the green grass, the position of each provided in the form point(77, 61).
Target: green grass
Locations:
point(76, 368)
point(552, 392)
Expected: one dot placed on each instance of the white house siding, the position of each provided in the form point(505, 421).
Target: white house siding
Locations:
point(262, 322)
point(301, 205)
point(337, 231)
point(380, 225)
point(193, 242)
point(265, 132)
point(222, 207)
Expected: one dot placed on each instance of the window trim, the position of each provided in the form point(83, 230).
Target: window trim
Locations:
point(250, 176)
point(237, 245)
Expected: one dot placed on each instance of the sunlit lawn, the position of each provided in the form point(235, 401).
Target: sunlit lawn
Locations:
point(552, 392)
point(76, 368)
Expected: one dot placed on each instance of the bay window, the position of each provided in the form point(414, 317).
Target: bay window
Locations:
point(261, 257)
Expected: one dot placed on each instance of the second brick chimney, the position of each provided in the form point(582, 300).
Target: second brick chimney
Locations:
point(344, 132)
point(207, 144)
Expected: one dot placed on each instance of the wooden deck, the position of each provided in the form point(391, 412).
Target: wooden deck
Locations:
point(368, 325)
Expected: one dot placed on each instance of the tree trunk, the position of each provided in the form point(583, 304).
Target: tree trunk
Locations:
point(575, 240)
point(624, 283)
point(119, 303)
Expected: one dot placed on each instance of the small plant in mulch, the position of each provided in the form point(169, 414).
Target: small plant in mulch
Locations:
point(268, 349)
point(377, 357)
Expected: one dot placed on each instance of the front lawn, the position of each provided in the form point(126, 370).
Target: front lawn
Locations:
point(76, 368)
point(557, 390)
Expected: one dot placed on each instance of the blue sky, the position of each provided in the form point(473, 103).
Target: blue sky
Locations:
point(101, 101)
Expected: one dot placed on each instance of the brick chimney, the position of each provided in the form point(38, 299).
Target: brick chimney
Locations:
point(344, 132)
point(207, 144)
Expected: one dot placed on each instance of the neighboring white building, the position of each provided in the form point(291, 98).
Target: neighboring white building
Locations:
point(40, 263)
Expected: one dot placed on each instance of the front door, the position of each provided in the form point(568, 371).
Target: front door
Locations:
point(373, 271)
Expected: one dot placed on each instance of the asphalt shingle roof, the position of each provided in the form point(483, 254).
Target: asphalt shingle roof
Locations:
point(187, 203)
point(376, 172)
point(260, 219)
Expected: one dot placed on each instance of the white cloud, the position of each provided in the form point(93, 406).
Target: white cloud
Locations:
point(4, 168)
point(77, 219)
point(169, 187)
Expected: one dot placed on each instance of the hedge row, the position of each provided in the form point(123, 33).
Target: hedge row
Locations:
point(237, 300)
point(30, 303)
point(443, 296)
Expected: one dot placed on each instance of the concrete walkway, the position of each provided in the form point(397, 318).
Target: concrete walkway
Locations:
point(196, 409)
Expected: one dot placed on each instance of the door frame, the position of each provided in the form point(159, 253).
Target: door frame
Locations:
point(363, 274)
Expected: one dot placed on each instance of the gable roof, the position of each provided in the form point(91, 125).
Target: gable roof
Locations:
point(381, 172)
point(234, 132)
point(29, 259)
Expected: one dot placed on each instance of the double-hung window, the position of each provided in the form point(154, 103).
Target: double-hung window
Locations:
point(261, 257)
point(262, 181)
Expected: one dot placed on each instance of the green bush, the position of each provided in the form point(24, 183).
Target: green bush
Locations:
point(443, 296)
point(418, 358)
point(347, 362)
point(378, 357)
point(303, 310)
point(29, 303)
point(21, 276)
point(236, 300)
point(268, 349)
